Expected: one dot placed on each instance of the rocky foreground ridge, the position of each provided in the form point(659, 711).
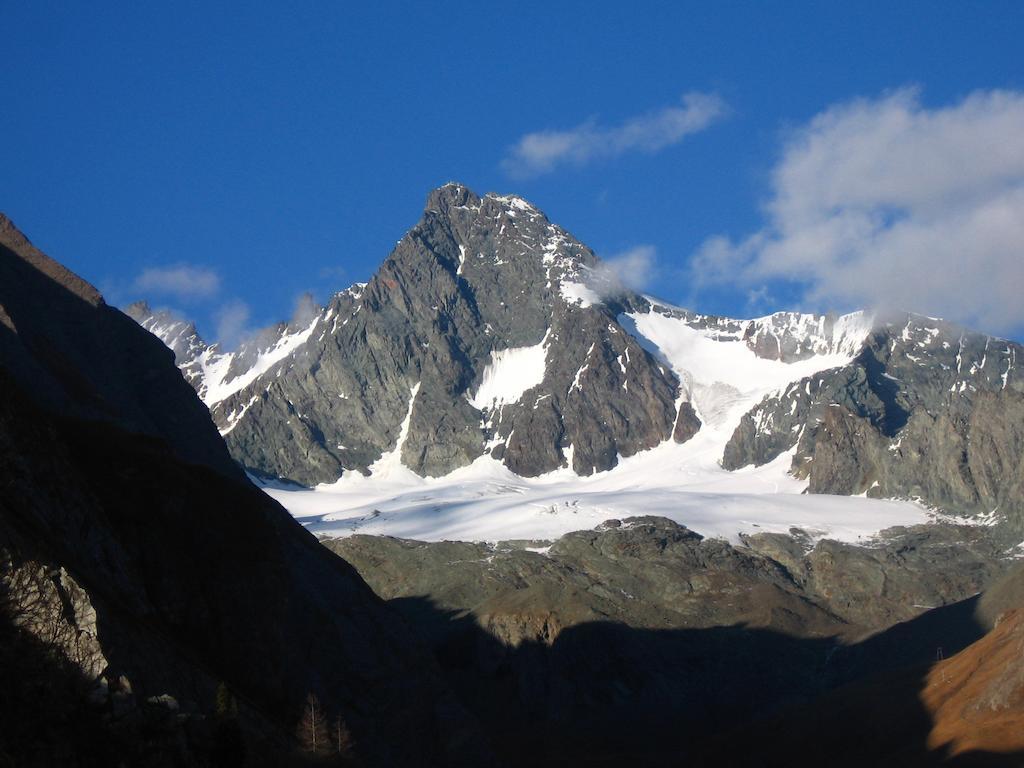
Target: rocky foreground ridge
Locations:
point(144, 581)
point(641, 643)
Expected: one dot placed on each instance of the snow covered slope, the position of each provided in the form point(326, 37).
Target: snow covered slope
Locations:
point(214, 373)
point(723, 379)
point(486, 502)
point(684, 482)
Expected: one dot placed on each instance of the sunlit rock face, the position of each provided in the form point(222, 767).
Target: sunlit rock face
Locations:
point(491, 332)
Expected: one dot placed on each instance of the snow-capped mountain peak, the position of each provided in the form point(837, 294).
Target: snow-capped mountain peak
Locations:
point(492, 341)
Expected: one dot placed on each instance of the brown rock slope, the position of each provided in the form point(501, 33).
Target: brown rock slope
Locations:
point(976, 698)
point(966, 710)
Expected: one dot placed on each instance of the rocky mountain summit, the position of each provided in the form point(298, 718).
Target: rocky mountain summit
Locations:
point(481, 332)
point(490, 331)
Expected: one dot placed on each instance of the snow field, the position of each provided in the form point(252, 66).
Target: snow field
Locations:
point(486, 502)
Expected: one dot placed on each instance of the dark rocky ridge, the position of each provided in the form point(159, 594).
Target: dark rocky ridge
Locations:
point(81, 358)
point(638, 641)
point(135, 547)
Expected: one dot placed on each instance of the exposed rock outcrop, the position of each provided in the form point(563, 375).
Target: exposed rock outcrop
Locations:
point(925, 411)
point(482, 291)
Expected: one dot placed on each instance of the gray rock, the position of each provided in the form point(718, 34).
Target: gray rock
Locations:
point(651, 571)
point(644, 572)
point(925, 411)
point(476, 276)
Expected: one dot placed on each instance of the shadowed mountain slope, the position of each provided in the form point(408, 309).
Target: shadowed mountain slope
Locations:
point(642, 643)
point(133, 546)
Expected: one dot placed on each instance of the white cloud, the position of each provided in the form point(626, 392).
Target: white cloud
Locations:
point(182, 281)
point(306, 309)
point(888, 203)
point(542, 151)
point(634, 268)
point(232, 323)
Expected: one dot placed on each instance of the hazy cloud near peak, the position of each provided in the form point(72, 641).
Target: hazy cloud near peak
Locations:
point(232, 323)
point(885, 202)
point(634, 268)
point(306, 309)
point(182, 281)
point(542, 151)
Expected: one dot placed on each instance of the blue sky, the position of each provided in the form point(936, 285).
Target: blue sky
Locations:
point(760, 155)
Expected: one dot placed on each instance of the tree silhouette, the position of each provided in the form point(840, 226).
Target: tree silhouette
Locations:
point(225, 704)
point(312, 728)
point(228, 741)
point(342, 737)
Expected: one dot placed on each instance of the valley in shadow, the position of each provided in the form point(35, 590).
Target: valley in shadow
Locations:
point(604, 693)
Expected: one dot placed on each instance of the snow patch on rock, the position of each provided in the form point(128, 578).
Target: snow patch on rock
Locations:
point(216, 366)
point(510, 373)
point(578, 294)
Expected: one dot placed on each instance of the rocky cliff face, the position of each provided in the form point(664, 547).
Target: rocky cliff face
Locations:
point(487, 330)
point(131, 545)
point(925, 410)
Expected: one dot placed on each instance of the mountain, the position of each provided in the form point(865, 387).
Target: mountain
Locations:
point(151, 596)
point(85, 360)
point(144, 581)
point(480, 331)
point(925, 409)
point(490, 331)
